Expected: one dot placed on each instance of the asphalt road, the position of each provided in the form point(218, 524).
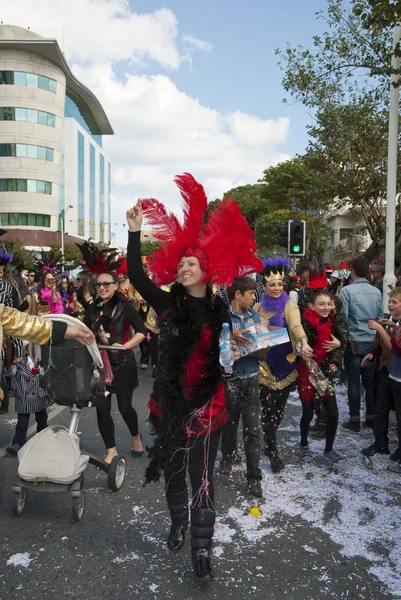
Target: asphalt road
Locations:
point(321, 534)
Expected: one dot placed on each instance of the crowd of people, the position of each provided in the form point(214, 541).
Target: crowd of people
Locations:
point(172, 306)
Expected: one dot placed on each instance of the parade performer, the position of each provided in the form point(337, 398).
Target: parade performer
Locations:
point(188, 405)
point(327, 336)
point(278, 372)
point(114, 321)
point(46, 299)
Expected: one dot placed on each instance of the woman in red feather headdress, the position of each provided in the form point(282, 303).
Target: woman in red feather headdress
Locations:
point(188, 406)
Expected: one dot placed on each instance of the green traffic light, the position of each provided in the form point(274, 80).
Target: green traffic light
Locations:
point(296, 249)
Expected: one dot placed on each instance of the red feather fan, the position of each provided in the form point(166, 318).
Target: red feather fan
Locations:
point(225, 249)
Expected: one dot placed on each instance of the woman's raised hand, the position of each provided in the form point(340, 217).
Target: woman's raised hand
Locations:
point(134, 217)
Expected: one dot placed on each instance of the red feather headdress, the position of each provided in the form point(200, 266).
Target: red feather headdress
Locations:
point(318, 280)
point(225, 247)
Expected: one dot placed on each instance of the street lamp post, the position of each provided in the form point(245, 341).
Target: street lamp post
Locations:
point(62, 214)
point(389, 280)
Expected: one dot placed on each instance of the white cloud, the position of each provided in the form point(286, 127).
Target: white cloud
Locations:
point(101, 30)
point(160, 131)
point(196, 43)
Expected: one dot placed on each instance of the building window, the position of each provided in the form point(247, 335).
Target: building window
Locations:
point(75, 109)
point(28, 79)
point(81, 184)
point(21, 219)
point(92, 192)
point(345, 233)
point(27, 150)
point(27, 114)
point(26, 185)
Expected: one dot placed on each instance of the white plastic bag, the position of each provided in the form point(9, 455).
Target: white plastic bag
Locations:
point(52, 455)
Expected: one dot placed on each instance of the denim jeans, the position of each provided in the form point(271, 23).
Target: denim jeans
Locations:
point(354, 353)
point(243, 398)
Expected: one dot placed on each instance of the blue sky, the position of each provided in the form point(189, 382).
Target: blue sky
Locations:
point(241, 73)
point(187, 85)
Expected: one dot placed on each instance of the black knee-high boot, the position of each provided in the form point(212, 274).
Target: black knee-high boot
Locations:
point(202, 524)
point(179, 526)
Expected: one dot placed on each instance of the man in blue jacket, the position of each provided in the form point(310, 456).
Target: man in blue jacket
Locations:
point(242, 392)
point(361, 302)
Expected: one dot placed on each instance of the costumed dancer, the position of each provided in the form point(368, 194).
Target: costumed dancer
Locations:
point(124, 284)
point(47, 300)
point(328, 338)
point(278, 372)
point(114, 321)
point(188, 405)
point(143, 309)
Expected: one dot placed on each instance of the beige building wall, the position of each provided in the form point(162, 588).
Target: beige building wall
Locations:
point(21, 132)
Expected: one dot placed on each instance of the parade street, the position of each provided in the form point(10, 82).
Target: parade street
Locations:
point(320, 534)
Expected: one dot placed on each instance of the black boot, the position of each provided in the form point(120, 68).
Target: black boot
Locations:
point(176, 538)
point(202, 524)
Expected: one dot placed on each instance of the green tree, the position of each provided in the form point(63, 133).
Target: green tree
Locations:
point(344, 79)
point(72, 254)
point(148, 248)
point(22, 258)
point(252, 201)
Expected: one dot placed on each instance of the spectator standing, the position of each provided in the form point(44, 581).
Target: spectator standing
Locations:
point(361, 302)
point(377, 275)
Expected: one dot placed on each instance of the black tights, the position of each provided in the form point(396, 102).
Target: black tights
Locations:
point(330, 404)
point(128, 413)
point(193, 460)
point(273, 404)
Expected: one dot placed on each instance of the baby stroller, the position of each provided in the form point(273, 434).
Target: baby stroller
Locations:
point(52, 461)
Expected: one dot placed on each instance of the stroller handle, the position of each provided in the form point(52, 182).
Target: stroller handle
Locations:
point(113, 348)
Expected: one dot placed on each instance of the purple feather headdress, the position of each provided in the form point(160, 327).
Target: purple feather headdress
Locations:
point(5, 258)
point(275, 267)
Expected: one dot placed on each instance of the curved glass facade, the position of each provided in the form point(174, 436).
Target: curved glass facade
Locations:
point(78, 111)
point(29, 115)
point(28, 79)
point(30, 220)
point(27, 150)
point(26, 185)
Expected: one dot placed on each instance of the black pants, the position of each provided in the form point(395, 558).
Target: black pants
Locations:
point(4, 403)
point(128, 413)
point(243, 399)
point(144, 347)
point(273, 403)
point(23, 422)
point(330, 404)
point(384, 401)
point(192, 456)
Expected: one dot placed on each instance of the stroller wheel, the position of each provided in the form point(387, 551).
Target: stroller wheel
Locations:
point(116, 473)
point(78, 504)
point(19, 501)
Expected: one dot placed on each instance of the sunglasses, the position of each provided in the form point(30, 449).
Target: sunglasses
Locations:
point(105, 284)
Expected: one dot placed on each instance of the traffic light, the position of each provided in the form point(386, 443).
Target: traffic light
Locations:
point(296, 235)
point(284, 235)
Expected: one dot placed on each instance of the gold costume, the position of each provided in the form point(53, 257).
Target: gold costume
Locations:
point(22, 326)
point(296, 332)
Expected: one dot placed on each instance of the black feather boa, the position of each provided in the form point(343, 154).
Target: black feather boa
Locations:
point(180, 330)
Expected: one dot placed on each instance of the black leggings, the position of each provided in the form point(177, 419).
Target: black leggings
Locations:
point(193, 459)
point(273, 404)
point(330, 404)
point(128, 413)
